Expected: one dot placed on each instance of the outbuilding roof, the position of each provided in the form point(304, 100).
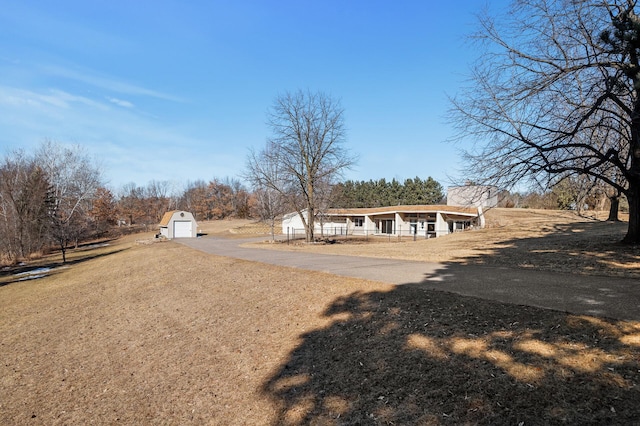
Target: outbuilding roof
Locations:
point(167, 217)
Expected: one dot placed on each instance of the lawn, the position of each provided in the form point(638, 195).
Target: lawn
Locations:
point(135, 332)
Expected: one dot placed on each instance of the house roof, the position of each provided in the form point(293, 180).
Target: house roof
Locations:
point(470, 211)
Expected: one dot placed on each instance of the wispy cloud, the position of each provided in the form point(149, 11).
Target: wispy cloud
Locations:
point(120, 102)
point(51, 98)
point(94, 79)
point(116, 133)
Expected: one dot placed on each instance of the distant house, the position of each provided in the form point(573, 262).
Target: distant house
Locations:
point(485, 196)
point(178, 224)
point(424, 220)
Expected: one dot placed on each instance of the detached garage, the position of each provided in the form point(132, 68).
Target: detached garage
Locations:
point(178, 224)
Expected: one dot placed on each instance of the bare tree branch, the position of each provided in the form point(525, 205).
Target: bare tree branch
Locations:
point(555, 94)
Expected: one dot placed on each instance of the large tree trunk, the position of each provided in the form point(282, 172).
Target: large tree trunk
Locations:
point(273, 228)
point(633, 175)
point(633, 195)
point(310, 224)
point(311, 209)
point(614, 206)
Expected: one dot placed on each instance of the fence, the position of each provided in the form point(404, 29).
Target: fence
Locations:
point(343, 232)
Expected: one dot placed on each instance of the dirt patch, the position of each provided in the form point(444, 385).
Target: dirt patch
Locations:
point(160, 333)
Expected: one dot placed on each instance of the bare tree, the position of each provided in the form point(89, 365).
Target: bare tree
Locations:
point(306, 150)
point(270, 206)
point(74, 181)
point(157, 198)
point(554, 94)
point(263, 173)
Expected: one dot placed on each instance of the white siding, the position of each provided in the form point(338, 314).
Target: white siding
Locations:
point(472, 196)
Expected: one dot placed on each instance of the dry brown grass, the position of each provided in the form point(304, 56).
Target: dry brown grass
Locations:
point(235, 228)
point(137, 332)
point(224, 227)
point(536, 239)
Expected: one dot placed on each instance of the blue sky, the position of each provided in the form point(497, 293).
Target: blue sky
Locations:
point(178, 91)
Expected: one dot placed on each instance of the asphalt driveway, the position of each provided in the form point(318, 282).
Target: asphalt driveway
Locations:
point(610, 297)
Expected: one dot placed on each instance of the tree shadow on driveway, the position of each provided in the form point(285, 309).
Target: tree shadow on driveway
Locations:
point(579, 268)
point(417, 356)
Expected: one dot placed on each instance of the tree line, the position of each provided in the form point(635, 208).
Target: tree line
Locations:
point(571, 193)
point(207, 200)
point(382, 193)
point(56, 197)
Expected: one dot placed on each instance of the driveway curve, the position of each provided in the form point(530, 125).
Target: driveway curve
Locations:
point(602, 296)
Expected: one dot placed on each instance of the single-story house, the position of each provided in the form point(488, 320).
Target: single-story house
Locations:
point(178, 224)
point(427, 221)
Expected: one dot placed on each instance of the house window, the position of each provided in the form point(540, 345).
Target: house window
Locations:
point(358, 221)
point(387, 226)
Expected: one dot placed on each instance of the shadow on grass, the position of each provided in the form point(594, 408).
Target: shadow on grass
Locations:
point(581, 247)
point(417, 356)
point(30, 272)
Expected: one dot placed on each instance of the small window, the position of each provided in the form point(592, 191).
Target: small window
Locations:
point(358, 221)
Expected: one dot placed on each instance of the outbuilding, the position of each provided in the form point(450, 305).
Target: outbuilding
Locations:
point(178, 224)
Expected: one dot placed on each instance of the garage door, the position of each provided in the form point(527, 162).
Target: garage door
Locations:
point(182, 229)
